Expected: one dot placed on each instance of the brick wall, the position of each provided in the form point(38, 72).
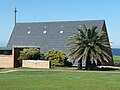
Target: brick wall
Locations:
point(6, 61)
point(36, 64)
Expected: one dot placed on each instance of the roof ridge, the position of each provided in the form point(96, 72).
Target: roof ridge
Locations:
point(63, 21)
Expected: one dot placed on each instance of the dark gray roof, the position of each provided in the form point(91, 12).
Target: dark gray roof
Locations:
point(48, 35)
point(5, 48)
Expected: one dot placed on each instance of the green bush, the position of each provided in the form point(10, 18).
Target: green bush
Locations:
point(56, 57)
point(67, 63)
point(31, 54)
point(117, 64)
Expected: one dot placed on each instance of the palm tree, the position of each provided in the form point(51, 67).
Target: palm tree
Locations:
point(90, 45)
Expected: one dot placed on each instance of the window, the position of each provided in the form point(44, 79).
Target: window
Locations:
point(5, 52)
point(44, 31)
point(61, 31)
point(28, 32)
point(29, 27)
point(45, 26)
point(61, 26)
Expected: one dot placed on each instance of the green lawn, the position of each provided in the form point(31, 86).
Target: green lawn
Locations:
point(59, 79)
point(116, 59)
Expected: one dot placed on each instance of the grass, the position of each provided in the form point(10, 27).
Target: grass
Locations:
point(59, 79)
point(116, 59)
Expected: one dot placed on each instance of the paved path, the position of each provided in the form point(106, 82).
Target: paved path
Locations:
point(7, 71)
point(61, 70)
point(71, 70)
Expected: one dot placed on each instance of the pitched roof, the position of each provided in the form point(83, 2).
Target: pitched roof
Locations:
point(5, 48)
point(48, 35)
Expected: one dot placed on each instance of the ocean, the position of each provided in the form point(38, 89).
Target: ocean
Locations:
point(116, 51)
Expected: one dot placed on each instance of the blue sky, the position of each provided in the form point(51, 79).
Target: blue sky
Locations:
point(60, 10)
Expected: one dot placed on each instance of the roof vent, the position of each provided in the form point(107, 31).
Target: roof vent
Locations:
point(29, 27)
point(45, 26)
point(80, 26)
point(61, 31)
point(61, 26)
point(44, 31)
point(28, 32)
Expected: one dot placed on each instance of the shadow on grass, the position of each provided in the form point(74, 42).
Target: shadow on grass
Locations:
point(101, 68)
point(106, 68)
point(1, 68)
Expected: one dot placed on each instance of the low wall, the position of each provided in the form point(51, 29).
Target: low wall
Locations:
point(35, 64)
point(6, 61)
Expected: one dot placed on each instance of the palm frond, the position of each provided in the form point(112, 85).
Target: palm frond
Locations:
point(90, 42)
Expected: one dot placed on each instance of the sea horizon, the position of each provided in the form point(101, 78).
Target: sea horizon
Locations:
point(116, 51)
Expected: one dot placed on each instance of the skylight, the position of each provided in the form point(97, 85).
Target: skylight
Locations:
point(28, 32)
point(61, 26)
point(44, 31)
point(45, 26)
point(61, 31)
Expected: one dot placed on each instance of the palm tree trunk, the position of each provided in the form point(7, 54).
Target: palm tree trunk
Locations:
point(98, 63)
point(88, 63)
point(80, 64)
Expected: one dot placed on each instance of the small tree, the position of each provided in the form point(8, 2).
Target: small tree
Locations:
point(42, 56)
point(56, 57)
point(31, 54)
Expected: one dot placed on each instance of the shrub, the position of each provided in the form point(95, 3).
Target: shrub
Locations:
point(56, 57)
point(117, 64)
point(31, 54)
point(67, 63)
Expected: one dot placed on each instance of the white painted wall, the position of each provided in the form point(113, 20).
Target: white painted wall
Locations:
point(36, 64)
